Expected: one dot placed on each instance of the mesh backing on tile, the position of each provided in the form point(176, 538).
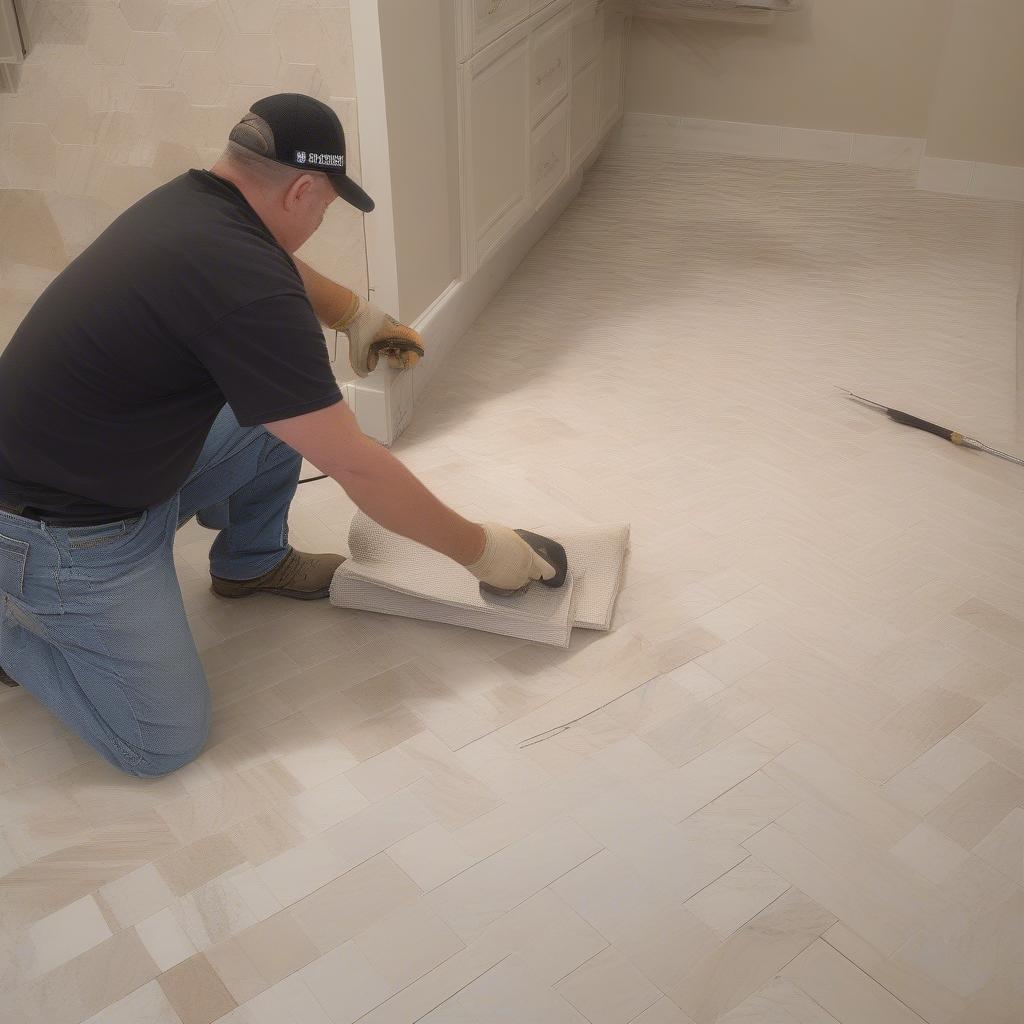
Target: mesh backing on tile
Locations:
point(392, 575)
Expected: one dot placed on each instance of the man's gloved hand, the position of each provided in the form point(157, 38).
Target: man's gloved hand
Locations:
point(372, 333)
point(508, 562)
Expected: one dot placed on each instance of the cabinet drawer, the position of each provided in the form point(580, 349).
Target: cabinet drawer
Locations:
point(483, 21)
point(586, 98)
point(612, 67)
point(497, 142)
point(587, 32)
point(549, 154)
point(549, 64)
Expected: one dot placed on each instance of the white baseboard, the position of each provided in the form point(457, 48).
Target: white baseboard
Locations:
point(971, 178)
point(384, 401)
point(667, 132)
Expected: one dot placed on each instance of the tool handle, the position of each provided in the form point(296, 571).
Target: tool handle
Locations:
point(933, 428)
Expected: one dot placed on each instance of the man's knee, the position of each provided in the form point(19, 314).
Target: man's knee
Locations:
point(173, 752)
point(147, 765)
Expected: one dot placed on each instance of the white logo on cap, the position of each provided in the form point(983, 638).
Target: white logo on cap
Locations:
point(300, 156)
point(327, 160)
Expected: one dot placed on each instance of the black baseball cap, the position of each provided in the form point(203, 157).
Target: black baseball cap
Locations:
point(303, 133)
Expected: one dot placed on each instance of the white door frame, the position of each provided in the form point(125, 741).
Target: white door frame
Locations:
point(374, 154)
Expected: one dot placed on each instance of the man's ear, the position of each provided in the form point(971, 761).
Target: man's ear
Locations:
point(297, 191)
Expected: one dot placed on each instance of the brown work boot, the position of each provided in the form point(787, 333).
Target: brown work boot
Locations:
point(6, 679)
point(302, 576)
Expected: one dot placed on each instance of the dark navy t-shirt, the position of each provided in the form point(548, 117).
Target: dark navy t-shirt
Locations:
point(112, 381)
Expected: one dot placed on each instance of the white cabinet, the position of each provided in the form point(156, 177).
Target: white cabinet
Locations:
point(539, 83)
point(587, 31)
point(586, 100)
point(613, 65)
point(496, 106)
point(483, 21)
point(549, 63)
point(549, 155)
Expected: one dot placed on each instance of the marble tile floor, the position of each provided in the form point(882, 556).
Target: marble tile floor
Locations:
point(802, 800)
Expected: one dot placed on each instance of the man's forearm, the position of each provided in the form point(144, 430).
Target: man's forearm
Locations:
point(392, 496)
point(330, 301)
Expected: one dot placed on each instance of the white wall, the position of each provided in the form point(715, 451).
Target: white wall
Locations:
point(845, 65)
point(417, 41)
point(948, 71)
point(116, 100)
point(977, 110)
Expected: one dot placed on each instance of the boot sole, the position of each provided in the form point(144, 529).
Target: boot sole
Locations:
point(298, 595)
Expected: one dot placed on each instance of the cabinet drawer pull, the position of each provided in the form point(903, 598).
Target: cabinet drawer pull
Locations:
point(550, 71)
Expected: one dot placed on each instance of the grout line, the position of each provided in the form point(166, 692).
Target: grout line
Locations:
point(868, 976)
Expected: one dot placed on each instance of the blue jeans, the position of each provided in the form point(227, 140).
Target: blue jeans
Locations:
point(92, 622)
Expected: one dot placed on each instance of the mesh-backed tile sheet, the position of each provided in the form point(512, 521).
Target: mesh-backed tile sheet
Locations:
point(390, 574)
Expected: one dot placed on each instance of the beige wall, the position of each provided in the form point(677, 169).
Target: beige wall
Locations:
point(977, 110)
point(845, 65)
point(117, 99)
point(417, 42)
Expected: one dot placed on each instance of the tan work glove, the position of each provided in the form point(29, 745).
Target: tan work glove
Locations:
point(508, 562)
point(372, 333)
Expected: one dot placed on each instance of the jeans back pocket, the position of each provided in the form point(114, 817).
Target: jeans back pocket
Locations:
point(13, 560)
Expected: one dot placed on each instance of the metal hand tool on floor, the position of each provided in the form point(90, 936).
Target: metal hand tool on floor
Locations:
point(952, 436)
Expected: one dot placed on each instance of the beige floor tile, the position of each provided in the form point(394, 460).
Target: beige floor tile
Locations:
point(345, 984)
point(321, 806)
point(852, 900)
point(195, 991)
point(350, 904)
point(967, 951)
point(82, 987)
point(384, 775)
point(237, 972)
point(289, 1000)
point(844, 990)
point(979, 805)
point(195, 864)
point(431, 857)
point(778, 1002)
point(623, 823)
point(165, 939)
point(726, 976)
point(809, 773)
point(407, 944)
point(681, 793)
point(276, 947)
point(930, 853)
point(740, 811)
point(608, 989)
point(263, 836)
point(1003, 847)
point(223, 907)
point(925, 995)
point(482, 893)
point(740, 894)
point(60, 937)
point(509, 993)
point(664, 1011)
point(137, 895)
point(146, 1005)
point(548, 936)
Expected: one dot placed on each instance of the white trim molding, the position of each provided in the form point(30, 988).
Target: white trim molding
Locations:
point(971, 178)
point(669, 133)
point(682, 134)
point(383, 402)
